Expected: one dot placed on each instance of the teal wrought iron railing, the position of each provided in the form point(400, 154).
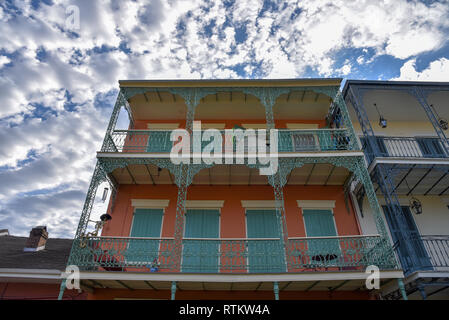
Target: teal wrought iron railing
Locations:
point(158, 141)
point(233, 255)
point(344, 252)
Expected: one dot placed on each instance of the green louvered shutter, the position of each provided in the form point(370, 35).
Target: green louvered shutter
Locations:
point(320, 223)
point(264, 255)
point(147, 223)
point(201, 255)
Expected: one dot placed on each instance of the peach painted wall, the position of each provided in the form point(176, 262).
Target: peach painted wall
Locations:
point(36, 291)
point(229, 124)
point(232, 218)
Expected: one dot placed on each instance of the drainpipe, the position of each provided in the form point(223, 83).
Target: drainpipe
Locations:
point(173, 290)
point(402, 289)
point(61, 290)
point(276, 290)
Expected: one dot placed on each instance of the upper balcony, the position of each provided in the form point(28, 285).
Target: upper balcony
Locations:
point(406, 147)
point(289, 141)
point(303, 110)
point(402, 120)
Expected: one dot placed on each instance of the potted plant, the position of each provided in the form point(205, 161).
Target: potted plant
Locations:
point(154, 266)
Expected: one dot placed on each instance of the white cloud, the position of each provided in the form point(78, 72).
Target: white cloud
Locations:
point(437, 70)
point(4, 60)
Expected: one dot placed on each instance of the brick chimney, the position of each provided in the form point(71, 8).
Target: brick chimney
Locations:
point(37, 239)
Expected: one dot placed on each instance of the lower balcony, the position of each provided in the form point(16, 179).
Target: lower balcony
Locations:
point(431, 254)
point(267, 255)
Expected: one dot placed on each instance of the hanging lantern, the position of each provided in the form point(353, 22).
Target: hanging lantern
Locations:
point(416, 205)
point(105, 194)
point(382, 120)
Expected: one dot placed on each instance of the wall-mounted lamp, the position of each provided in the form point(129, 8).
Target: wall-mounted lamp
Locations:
point(105, 194)
point(382, 120)
point(416, 205)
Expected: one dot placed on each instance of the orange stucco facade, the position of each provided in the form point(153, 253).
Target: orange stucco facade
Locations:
point(232, 219)
point(36, 291)
point(232, 215)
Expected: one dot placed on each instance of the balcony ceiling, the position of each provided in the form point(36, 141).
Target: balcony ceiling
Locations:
point(401, 106)
point(163, 105)
point(324, 285)
point(309, 174)
point(421, 179)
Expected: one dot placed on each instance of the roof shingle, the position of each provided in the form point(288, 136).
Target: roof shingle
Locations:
point(54, 256)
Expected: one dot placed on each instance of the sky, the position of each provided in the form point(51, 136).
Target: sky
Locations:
point(60, 62)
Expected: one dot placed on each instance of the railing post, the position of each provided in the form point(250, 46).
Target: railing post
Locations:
point(418, 93)
point(268, 99)
point(422, 291)
point(365, 125)
point(183, 181)
point(62, 289)
point(173, 290)
point(276, 290)
point(402, 289)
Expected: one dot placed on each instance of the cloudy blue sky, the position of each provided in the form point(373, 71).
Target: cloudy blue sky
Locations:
point(58, 82)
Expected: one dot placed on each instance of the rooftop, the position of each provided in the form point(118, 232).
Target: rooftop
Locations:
point(54, 256)
point(232, 82)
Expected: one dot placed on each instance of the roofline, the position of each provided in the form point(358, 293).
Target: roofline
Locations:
point(232, 82)
point(31, 275)
point(391, 83)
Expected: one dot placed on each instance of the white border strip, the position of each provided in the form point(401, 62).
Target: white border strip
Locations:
point(150, 203)
point(316, 204)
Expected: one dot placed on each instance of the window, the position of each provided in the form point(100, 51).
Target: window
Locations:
point(147, 223)
point(201, 255)
point(320, 223)
point(266, 254)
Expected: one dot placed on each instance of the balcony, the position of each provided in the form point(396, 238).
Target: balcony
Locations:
point(406, 147)
point(219, 256)
point(158, 141)
point(432, 254)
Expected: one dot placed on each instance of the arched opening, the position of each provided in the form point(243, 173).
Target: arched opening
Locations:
point(227, 109)
point(301, 109)
point(157, 107)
